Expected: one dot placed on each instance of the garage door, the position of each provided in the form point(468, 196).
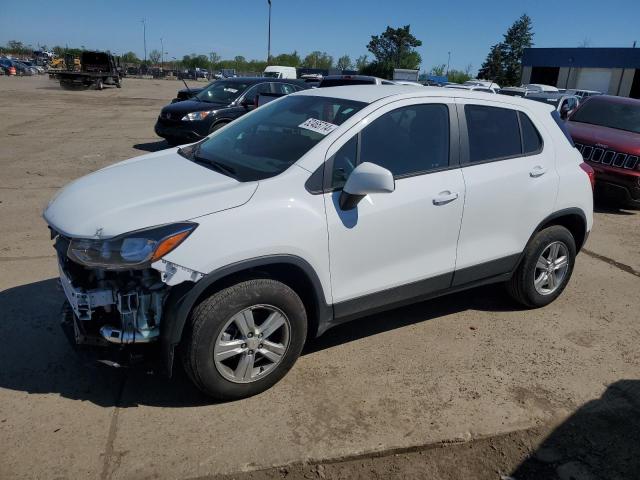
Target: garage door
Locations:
point(594, 79)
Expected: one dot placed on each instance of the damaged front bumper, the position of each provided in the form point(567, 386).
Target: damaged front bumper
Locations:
point(118, 315)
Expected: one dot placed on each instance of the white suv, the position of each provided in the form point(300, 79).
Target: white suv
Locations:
point(318, 208)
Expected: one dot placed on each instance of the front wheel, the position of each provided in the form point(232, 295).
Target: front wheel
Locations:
point(545, 269)
point(242, 340)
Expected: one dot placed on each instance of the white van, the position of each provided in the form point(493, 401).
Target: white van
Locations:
point(275, 71)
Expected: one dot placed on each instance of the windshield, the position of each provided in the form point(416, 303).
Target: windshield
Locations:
point(222, 91)
point(271, 139)
point(620, 116)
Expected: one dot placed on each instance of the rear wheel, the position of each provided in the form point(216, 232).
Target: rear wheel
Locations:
point(545, 269)
point(244, 339)
point(98, 84)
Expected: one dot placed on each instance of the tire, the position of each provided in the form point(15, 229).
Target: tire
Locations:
point(98, 84)
point(208, 330)
point(522, 286)
point(217, 126)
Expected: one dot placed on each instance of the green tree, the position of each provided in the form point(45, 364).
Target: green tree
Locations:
point(458, 76)
point(287, 59)
point(361, 62)
point(195, 61)
point(214, 58)
point(395, 47)
point(493, 68)
point(130, 57)
point(439, 70)
point(256, 66)
point(317, 59)
point(518, 37)
point(344, 63)
point(155, 56)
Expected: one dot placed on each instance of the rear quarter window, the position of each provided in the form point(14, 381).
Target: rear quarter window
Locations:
point(494, 133)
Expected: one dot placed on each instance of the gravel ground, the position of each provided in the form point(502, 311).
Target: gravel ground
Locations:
point(467, 386)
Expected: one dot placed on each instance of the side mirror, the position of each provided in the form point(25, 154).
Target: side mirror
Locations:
point(564, 111)
point(366, 178)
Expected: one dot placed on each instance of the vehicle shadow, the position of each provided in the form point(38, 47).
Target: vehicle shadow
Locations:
point(152, 146)
point(36, 357)
point(490, 298)
point(600, 440)
point(609, 206)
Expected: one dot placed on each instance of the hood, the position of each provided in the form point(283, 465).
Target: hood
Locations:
point(618, 140)
point(146, 191)
point(187, 106)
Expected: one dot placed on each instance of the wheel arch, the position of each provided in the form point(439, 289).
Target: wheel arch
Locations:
point(573, 219)
point(291, 270)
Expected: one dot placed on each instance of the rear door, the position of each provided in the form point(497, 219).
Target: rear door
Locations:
point(511, 183)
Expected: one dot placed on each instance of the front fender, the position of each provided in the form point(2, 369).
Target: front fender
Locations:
point(184, 297)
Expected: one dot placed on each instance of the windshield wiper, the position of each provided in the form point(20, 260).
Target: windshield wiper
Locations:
point(220, 167)
point(207, 162)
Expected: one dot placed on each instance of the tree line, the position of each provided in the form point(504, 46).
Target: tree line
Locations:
point(393, 48)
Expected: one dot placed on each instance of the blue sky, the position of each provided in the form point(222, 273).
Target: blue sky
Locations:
point(465, 28)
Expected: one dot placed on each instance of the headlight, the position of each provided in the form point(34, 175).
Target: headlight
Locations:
point(132, 250)
point(198, 115)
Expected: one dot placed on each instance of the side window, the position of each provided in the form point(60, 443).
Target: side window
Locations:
point(344, 161)
point(408, 140)
point(256, 90)
point(284, 88)
point(531, 140)
point(493, 133)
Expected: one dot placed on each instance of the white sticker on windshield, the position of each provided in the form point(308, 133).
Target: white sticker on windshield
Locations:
point(318, 126)
point(232, 90)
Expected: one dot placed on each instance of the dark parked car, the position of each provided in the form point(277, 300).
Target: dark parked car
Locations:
point(20, 68)
point(6, 65)
point(340, 80)
point(606, 130)
point(216, 105)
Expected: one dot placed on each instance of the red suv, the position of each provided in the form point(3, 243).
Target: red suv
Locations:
point(606, 130)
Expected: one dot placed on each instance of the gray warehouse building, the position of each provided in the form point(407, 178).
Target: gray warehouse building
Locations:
point(615, 71)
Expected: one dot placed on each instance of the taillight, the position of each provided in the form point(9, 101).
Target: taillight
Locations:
point(590, 173)
point(12, 70)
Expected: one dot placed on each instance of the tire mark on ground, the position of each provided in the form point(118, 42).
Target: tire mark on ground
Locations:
point(621, 266)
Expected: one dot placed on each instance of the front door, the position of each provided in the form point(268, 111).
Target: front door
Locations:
point(396, 246)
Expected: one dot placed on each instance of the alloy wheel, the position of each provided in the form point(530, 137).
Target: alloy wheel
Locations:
point(551, 268)
point(252, 343)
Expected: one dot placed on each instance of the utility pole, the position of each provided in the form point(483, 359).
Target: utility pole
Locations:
point(144, 34)
point(269, 38)
point(161, 55)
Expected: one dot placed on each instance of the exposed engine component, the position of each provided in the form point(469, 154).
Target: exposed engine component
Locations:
point(121, 307)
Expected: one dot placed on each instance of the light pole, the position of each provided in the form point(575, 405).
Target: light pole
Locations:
point(144, 36)
point(161, 55)
point(448, 62)
point(269, 38)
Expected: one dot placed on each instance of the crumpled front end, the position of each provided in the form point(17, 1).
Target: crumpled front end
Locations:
point(119, 311)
